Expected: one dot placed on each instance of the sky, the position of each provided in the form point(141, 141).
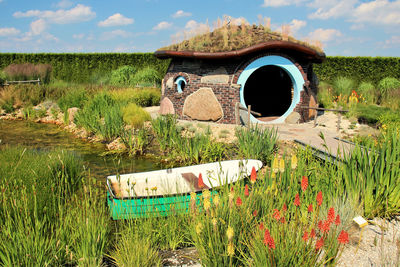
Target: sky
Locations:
point(345, 28)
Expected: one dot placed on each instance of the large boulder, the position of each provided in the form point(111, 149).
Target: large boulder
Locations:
point(293, 118)
point(203, 105)
point(166, 107)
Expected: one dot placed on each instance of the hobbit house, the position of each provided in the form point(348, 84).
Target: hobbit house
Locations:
point(208, 82)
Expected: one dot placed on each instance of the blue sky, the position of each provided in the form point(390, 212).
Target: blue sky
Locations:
point(348, 28)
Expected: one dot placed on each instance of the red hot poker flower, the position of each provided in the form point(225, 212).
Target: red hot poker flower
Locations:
point(312, 233)
point(239, 202)
point(284, 208)
point(319, 198)
point(331, 215)
point(337, 220)
point(232, 190)
point(343, 237)
point(304, 183)
point(253, 175)
point(283, 220)
point(246, 190)
point(255, 213)
point(305, 236)
point(200, 182)
point(326, 226)
point(310, 208)
point(268, 240)
point(319, 244)
point(297, 200)
point(261, 226)
point(276, 214)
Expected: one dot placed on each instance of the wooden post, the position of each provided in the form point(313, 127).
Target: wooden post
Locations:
point(339, 119)
point(237, 113)
point(248, 113)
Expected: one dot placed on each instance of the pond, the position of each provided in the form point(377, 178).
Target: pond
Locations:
point(48, 136)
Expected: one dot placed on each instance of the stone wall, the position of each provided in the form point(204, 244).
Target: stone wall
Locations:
point(218, 92)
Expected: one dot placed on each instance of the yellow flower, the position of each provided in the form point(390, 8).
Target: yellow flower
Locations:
point(273, 175)
point(207, 204)
point(206, 194)
point(192, 195)
point(281, 165)
point(216, 200)
point(199, 228)
point(154, 188)
point(230, 233)
point(214, 221)
point(231, 249)
point(275, 165)
point(294, 161)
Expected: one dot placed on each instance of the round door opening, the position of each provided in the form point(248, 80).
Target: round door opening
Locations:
point(269, 91)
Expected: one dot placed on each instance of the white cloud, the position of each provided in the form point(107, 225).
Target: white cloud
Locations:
point(324, 35)
point(180, 14)
point(64, 4)
point(9, 31)
point(394, 41)
point(78, 36)
point(163, 25)
point(38, 26)
point(296, 25)
point(116, 20)
point(124, 48)
point(115, 34)
point(378, 12)
point(331, 8)
point(79, 13)
point(278, 3)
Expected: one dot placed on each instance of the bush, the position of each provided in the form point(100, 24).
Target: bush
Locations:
point(147, 77)
point(123, 76)
point(28, 71)
point(367, 90)
point(143, 97)
point(135, 115)
point(370, 113)
point(388, 85)
point(73, 98)
point(3, 78)
point(343, 86)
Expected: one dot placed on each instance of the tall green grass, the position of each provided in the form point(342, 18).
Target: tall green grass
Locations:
point(343, 86)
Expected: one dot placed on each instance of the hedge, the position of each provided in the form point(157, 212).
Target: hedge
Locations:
point(83, 67)
point(360, 69)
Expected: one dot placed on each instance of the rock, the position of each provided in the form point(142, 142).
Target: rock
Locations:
point(170, 83)
point(203, 105)
point(71, 114)
point(166, 107)
point(117, 144)
point(312, 104)
point(293, 118)
point(162, 87)
point(219, 75)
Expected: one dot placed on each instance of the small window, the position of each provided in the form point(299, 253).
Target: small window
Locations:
point(180, 84)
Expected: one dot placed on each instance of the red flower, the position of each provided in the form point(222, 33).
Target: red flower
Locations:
point(337, 221)
point(268, 240)
point(277, 214)
point(232, 189)
point(239, 202)
point(261, 226)
point(283, 220)
point(305, 236)
point(304, 183)
point(255, 213)
point(312, 233)
point(319, 198)
point(326, 226)
point(319, 244)
point(253, 175)
point(343, 237)
point(310, 208)
point(331, 215)
point(297, 200)
point(246, 190)
point(284, 208)
point(200, 183)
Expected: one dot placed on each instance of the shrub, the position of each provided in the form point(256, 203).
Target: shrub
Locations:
point(143, 97)
point(3, 78)
point(72, 98)
point(367, 90)
point(387, 85)
point(28, 71)
point(343, 86)
point(135, 115)
point(369, 113)
point(147, 77)
point(7, 99)
point(123, 76)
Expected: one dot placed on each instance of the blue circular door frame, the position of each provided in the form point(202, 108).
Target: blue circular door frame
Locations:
point(284, 63)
